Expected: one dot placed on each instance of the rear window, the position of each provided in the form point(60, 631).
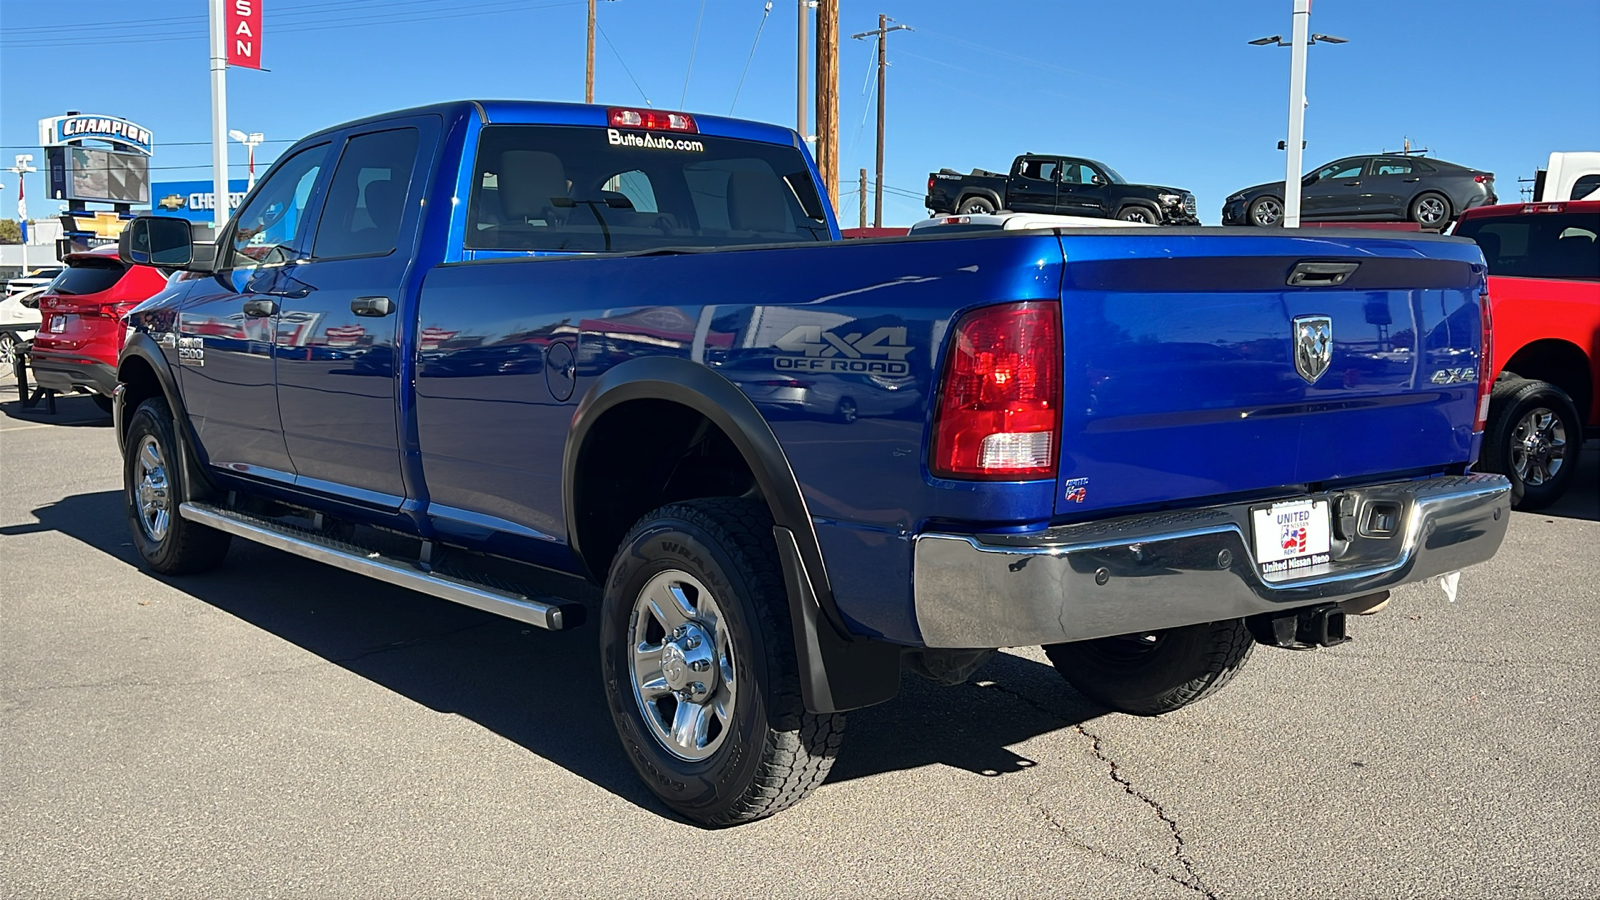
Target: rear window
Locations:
point(575, 189)
point(1538, 245)
point(88, 276)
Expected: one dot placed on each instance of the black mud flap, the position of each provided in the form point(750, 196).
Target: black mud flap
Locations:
point(836, 673)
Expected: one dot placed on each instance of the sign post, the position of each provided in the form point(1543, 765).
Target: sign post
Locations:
point(219, 112)
point(1299, 38)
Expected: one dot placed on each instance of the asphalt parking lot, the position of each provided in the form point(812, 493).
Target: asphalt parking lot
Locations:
point(279, 728)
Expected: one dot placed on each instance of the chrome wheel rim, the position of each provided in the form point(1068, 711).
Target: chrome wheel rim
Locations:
point(152, 491)
point(1430, 211)
point(1538, 446)
point(8, 351)
point(680, 664)
point(1267, 212)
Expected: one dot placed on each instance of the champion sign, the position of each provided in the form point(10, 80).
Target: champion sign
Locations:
point(243, 33)
point(56, 131)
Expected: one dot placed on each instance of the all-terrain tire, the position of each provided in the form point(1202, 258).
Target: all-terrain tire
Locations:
point(773, 753)
point(1516, 407)
point(1147, 675)
point(976, 206)
point(155, 479)
point(1139, 214)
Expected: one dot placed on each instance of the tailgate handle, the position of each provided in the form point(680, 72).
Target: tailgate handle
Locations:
point(1321, 274)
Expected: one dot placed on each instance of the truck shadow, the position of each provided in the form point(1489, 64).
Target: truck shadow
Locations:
point(542, 690)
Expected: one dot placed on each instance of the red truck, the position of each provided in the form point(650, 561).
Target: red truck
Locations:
point(1544, 290)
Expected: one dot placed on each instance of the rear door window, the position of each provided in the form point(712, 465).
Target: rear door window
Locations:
point(584, 189)
point(367, 197)
point(1540, 245)
point(89, 276)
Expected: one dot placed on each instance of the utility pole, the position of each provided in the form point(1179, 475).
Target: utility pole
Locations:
point(863, 198)
point(828, 97)
point(802, 61)
point(882, 34)
point(588, 68)
point(219, 116)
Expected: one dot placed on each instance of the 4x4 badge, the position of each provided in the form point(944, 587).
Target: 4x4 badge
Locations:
point(1313, 346)
point(828, 352)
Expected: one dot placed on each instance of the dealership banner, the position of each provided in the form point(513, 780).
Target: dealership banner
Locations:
point(244, 33)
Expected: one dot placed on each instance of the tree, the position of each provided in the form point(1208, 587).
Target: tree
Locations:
point(10, 232)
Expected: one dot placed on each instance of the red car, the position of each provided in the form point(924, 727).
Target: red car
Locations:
point(1544, 288)
point(80, 329)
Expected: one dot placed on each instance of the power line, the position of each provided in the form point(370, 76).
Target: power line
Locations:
point(692, 48)
point(750, 58)
point(624, 64)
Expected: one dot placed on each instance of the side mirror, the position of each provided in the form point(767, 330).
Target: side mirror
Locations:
point(161, 241)
point(1097, 179)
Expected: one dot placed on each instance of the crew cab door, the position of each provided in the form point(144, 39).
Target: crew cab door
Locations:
point(226, 326)
point(338, 333)
point(1084, 191)
point(1032, 186)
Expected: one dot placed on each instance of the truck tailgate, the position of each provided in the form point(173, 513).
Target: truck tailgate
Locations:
point(1201, 365)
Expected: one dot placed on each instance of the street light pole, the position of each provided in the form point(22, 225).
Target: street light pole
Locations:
point(219, 116)
point(802, 61)
point(251, 142)
point(1297, 112)
point(22, 168)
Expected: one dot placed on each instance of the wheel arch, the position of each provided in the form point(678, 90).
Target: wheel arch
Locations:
point(1561, 363)
point(838, 670)
point(984, 193)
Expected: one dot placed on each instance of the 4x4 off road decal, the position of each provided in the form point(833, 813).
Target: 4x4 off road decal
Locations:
point(880, 352)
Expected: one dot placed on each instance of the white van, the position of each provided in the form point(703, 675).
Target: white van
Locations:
point(1570, 176)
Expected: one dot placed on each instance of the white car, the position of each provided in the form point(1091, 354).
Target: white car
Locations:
point(34, 278)
point(19, 322)
point(1013, 221)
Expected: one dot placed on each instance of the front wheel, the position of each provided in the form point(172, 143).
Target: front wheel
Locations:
point(1139, 214)
point(698, 659)
point(154, 483)
point(1266, 212)
point(1533, 437)
point(1155, 672)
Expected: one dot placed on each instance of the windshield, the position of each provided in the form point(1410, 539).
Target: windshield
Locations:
point(1539, 245)
point(578, 189)
point(87, 276)
point(1113, 174)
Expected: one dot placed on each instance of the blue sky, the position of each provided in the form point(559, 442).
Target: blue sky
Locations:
point(1166, 91)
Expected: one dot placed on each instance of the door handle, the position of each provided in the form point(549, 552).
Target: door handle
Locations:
point(1411, 180)
point(372, 307)
point(1351, 183)
point(258, 309)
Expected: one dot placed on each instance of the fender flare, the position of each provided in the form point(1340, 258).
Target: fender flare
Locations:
point(1146, 204)
point(142, 346)
point(987, 194)
point(838, 670)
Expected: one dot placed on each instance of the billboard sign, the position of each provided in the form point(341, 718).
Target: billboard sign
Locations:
point(56, 131)
point(106, 176)
point(192, 200)
point(244, 33)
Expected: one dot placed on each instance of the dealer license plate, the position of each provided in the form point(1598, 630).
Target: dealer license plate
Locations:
point(1291, 537)
point(58, 324)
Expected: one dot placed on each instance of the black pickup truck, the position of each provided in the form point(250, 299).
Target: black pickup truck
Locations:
point(1065, 185)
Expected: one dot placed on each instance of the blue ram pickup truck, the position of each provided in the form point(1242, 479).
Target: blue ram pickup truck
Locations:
point(455, 348)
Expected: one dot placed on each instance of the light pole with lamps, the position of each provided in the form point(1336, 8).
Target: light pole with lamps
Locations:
point(22, 168)
point(250, 141)
point(1297, 45)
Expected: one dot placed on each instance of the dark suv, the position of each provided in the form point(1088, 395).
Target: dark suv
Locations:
point(1429, 192)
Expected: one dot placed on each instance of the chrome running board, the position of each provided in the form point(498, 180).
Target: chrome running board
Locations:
point(468, 590)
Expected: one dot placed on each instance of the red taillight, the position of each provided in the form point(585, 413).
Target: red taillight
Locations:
point(930, 184)
point(999, 412)
point(1486, 177)
point(1485, 362)
point(652, 120)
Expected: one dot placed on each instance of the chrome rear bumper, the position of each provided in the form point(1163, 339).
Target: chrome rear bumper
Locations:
point(1164, 570)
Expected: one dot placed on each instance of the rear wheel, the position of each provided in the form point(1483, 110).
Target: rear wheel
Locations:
point(1532, 438)
point(1139, 214)
point(8, 352)
point(697, 654)
point(1266, 211)
point(1155, 672)
point(1430, 210)
point(976, 206)
point(154, 484)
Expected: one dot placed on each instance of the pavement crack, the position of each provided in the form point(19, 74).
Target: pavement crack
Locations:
point(1179, 845)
